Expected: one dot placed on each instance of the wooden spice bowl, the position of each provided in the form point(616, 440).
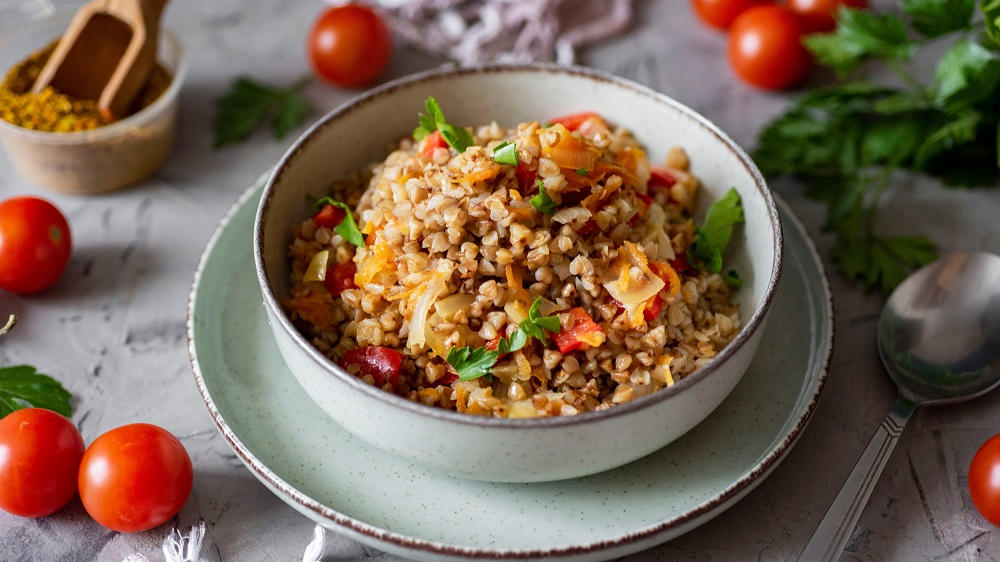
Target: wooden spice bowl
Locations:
point(104, 159)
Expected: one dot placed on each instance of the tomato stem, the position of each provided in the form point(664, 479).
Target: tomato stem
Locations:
point(9, 325)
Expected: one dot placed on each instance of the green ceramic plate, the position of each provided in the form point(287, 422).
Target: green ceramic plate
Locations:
point(330, 476)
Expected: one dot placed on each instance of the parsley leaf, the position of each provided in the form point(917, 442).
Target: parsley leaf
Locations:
point(471, 363)
point(247, 104)
point(967, 74)
point(347, 228)
point(534, 324)
point(712, 237)
point(456, 137)
point(23, 387)
point(991, 11)
point(582, 172)
point(542, 201)
point(882, 261)
point(937, 17)
point(516, 342)
point(506, 153)
point(860, 34)
point(960, 131)
point(732, 278)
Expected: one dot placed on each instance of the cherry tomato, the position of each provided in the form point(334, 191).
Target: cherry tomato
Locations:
point(135, 477)
point(984, 480)
point(721, 13)
point(34, 244)
point(349, 45)
point(40, 453)
point(340, 277)
point(382, 363)
point(765, 47)
point(819, 15)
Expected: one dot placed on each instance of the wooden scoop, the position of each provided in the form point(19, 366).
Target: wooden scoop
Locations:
point(107, 53)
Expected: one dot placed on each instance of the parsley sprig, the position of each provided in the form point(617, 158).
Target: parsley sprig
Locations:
point(542, 201)
point(248, 104)
point(474, 362)
point(347, 228)
point(846, 141)
point(712, 237)
point(506, 153)
point(456, 137)
point(22, 386)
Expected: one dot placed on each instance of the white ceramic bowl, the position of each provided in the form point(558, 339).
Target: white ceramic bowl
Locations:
point(521, 450)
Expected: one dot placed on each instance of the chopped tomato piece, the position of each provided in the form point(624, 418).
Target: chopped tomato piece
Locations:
point(631, 222)
point(661, 179)
point(447, 378)
point(588, 228)
point(646, 199)
point(432, 141)
point(581, 334)
point(526, 178)
point(573, 122)
point(340, 278)
point(680, 263)
point(650, 312)
point(329, 216)
point(382, 363)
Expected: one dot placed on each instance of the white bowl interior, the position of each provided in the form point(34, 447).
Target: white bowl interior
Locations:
point(355, 135)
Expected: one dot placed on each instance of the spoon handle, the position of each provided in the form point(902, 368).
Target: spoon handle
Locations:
point(829, 539)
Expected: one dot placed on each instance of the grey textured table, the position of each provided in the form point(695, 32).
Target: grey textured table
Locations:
point(113, 328)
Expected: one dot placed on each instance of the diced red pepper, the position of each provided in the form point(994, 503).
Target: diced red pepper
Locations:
point(329, 216)
point(526, 178)
point(661, 179)
point(631, 222)
point(447, 378)
point(568, 339)
point(574, 121)
point(340, 278)
point(382, 363)
point(680, 263)
point(650, 312)
point(588, 228)
point(574, 197)
point(432, 141)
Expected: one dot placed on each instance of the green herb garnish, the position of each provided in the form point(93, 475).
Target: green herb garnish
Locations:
point(248, 104)
point(845, 141)
point(712, 237)
point(347, 228)
point(23, 387)
point(473, 362)
point(506, 154)
point(582, 172)
point(733, 279)
point(456, 137)
point(542, 201)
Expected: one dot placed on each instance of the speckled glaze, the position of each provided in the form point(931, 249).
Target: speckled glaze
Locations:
point(331, 476)
point(531, 450)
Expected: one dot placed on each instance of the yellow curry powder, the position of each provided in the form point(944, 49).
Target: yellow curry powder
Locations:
point(51, 111)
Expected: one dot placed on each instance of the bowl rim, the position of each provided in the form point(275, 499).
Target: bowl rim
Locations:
point(114, 129)
point(288, 158)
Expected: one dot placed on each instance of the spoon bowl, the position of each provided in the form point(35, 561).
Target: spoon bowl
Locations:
point(939, 339)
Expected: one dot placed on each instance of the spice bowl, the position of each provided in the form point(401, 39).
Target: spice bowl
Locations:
point(103, 159)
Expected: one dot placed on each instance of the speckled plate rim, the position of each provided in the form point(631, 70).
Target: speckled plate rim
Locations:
point(353, 527)
point(742, 337)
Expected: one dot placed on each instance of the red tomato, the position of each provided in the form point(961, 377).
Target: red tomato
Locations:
point(382, 363)
point(526, 178)
point(765, 47)
point(40, 453)
point(349, 45)
point(819, 15)
point(340, 278)
point(721, 13)
point(984, 480)
point(574, 121)
point(575, 337)
point(432, 142)
point(329, 216)
point(34, 244)
point(135, 477)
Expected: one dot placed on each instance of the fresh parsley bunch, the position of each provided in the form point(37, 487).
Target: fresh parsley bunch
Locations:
point(846, 140)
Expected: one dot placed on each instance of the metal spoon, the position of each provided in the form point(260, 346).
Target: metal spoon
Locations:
point(939, 339)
